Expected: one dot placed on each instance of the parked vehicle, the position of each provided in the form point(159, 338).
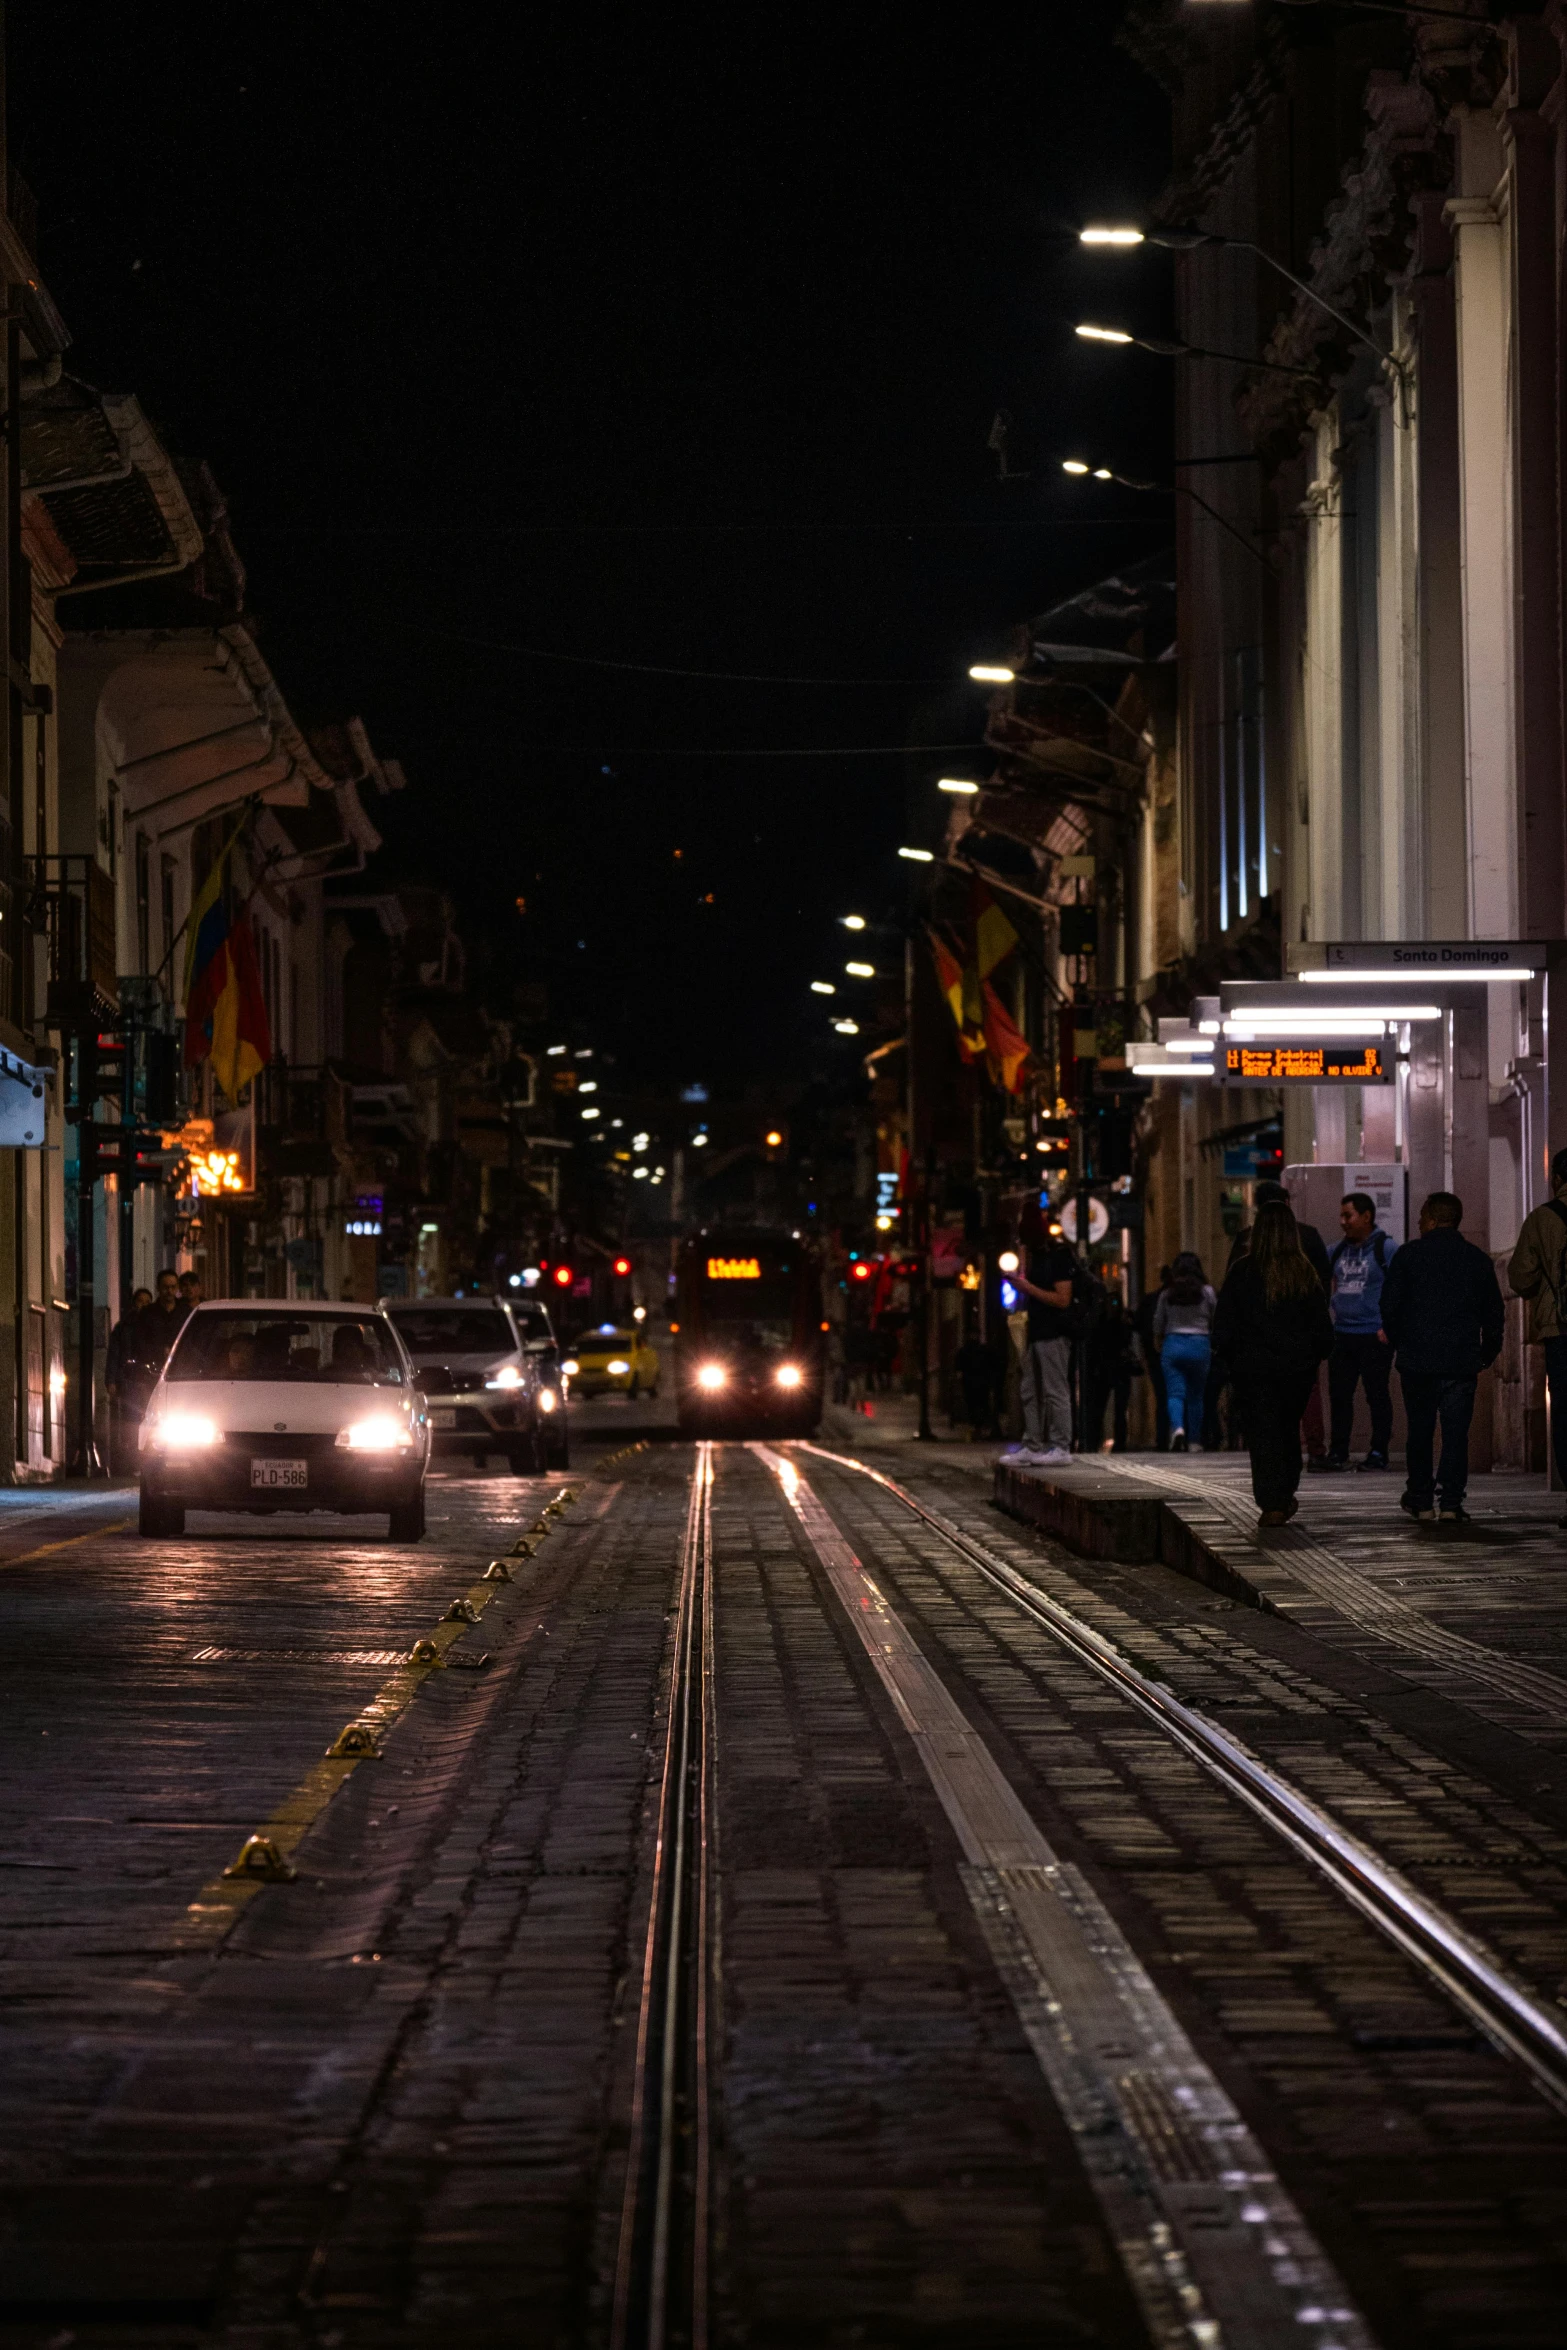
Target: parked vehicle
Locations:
point(483, 1385)
point(751, 1347)
point(614, 1361)
point(266, 1406)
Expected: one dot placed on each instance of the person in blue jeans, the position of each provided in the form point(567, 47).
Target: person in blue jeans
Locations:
point(1182, 1322)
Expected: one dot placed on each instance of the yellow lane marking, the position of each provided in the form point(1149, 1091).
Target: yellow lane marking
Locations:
point(110, 1526)
point(221, 1903)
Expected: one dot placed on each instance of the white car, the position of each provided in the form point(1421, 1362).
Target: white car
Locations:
point(270, 1405)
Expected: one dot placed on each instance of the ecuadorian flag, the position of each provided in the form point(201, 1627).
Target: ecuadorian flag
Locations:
point(225, 1010)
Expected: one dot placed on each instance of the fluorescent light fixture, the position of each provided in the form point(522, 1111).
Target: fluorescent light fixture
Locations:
point(551, 1050)
point(1103, 473)
point(1170, 1068)
point(957, 783)
point(1186, 1044)
point(847, 1027)
point(1070, 465)
point(852, 921)
point(861, 970)
point(989, 673)
point(1102, 334)
point(590, 1113)
point(588, 1085)
point(1410, 979)
point(919, 856)
point(1110, 236)
point(1332, 1020)
point(823, 987)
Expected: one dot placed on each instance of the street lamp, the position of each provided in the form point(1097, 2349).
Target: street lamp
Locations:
point(823, 987)
point(923, 856)
point(861, 970)
point(1165, 349)
point(957, 783)
point(852, 921)
point(1188, 240)
point(1177, 489)
point(847, 1027)
point(988, 673)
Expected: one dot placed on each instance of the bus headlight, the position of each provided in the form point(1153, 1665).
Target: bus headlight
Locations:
point(712, 1376)
point(788, 1374)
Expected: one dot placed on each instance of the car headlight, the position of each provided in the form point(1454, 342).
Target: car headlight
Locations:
point(617, 1368)
point(711, 1376)
point(383, 1434)
point(507, 1376)
point(570, 1367)
point(788, 1374)
point(547, 1399)
point(180, 1432)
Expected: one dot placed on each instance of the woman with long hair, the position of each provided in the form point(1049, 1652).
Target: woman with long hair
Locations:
point(1182, 1322)
point(1271, 1330)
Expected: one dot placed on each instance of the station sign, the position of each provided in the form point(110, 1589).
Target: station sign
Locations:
point(1298, 1061)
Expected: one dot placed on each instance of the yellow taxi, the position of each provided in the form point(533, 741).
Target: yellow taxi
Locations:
point(612, 1361)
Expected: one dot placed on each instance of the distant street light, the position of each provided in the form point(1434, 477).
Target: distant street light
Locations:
point(823, 987)
point(852, 921)
point(1168, 489)
point(983, 673)
point(1188, 240)
point(957, 783)
point(861, 970)
point(1165, 349)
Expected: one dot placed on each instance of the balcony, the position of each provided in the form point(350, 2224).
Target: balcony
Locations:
point(71, 902)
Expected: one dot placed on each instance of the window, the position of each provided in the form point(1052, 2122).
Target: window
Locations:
point(434, 1330)
point(339, 1350)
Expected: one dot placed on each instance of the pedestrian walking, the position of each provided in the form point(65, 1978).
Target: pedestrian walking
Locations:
point(1361, 1354)
point(1112, 1365)
point(1538, 1271)
point(1045, 1388)
point(1182, 1324)
point(1312, 1428)
point(128, 1389)
point(1147, 1307)
point(1272, 1330)
point(1442, 1310)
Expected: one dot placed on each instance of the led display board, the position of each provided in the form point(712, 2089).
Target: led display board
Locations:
point(734, 1269)
point(1298, 1061)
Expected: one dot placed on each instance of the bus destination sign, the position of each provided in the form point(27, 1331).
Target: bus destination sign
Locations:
point(1297, 1061)
point(734, 1269)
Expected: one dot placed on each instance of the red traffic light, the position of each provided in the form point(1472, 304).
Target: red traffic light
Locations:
point(862, 1271)
point(622, 1265)
point(562, 1276)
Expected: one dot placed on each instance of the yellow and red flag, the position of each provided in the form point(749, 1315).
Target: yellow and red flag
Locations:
point(1007, 1050)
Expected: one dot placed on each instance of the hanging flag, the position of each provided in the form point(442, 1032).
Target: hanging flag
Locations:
point(994, 936)
point(960, 986)
point(225, 1010)
point(1008, 1052)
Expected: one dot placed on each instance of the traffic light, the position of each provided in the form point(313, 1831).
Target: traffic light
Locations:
point(861, 1271)
point(561, 1275)
point(622, 1266)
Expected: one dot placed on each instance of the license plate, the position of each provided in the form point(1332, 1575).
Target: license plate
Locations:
point(443, 1417)
point(270, 1476)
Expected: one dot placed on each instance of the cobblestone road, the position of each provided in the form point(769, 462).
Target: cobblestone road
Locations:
point(391, 2097)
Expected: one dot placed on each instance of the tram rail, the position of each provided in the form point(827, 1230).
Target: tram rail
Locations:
point(1507, 2011)
point(662, 2263)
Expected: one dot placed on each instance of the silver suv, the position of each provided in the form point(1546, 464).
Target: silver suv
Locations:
point(483, 1383)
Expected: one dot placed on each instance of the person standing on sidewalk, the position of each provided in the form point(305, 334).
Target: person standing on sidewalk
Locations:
point(1272, 1330)
point(1358, 1267)
point(1538, 1271)
point(1442, 1309)
point(1312, 1427)
point(1045, 1389)
point(1182, 1323)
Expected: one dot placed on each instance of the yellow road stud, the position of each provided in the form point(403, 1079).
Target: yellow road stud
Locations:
point(424, 1652)
point(259, 1857)
point(497, 1572)
point(461, 1611)
point(357, 1743)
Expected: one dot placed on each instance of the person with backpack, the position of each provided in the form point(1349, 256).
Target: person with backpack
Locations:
point(1272, 1329)
point(1047, 1278)
point(1183, 1320)
point(1442, 1308)
point(1538, 1272)
point(1361, 1354)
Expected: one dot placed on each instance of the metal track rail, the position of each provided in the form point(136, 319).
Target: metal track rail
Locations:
point(661, 2271)
point(1511, 2015)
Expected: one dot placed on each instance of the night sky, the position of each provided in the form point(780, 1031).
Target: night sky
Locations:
point(643, 337)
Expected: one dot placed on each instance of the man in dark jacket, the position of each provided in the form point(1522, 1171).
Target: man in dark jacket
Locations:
point(1442, 1311)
